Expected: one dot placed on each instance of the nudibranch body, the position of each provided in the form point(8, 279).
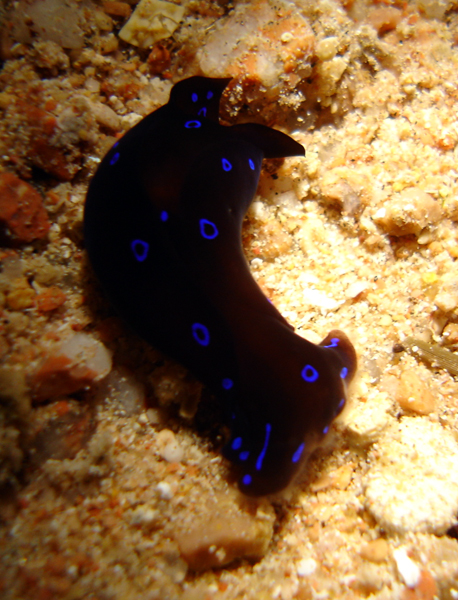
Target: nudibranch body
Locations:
point(162, 227)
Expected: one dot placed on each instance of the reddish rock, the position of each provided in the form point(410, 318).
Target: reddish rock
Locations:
point(384, 19)
point(220, 530)
point(59, 430)
point(159, 59)
point(43, 152)
point(117, 9)
point(50, 299)
point(75, 365)
point(21, 210)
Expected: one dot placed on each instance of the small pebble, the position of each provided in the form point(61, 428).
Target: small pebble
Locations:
point(145, 516)
point(165, 490)
point(427, 587)
point(327, 48)
point(20, 298)
point(345, 189)
point(123, 390)
point(408, 212)
point(306, 567)
point(143, 419)
point(355, 289)
point(50, 57)
point(155, 417)
point(16, 322)
point(375, 550)
point(409, 571)
point(447, 298)
point(221, 529)
point(106, 116)
point(276, 242)
point(365, 421)
point(168, 446)
point(450, 333)
point(413, 394)
point(384, 19)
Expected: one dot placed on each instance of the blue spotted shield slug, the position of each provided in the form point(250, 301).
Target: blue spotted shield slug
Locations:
point(162, 228)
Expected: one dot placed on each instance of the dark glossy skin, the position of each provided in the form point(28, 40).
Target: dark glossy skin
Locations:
point(162, 227)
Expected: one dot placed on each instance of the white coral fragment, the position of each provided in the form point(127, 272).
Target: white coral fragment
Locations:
point(413, 482)
point(151, 21)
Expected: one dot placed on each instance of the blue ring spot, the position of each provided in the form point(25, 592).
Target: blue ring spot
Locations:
point(246, 480)
point(341, 405)
point(251, 163)
point(140, 249)
point(201, 334)
point(298, 453)
point(164, 216)
point(244, 455)
point(192, 124)
point(208, 230)
point(309, 374)
point(237, 443)
point(326, 429)
point(114, 158)
point(209, 95)
point(116, 144)
point(334, 343)
point(227, 383)
point(226, 164)
point(343, 372)
point(194, 97)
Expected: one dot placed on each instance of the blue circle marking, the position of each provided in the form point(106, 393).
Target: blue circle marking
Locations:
point(227, 383)
point(194, 97)
point(209, 95)
point(164, 216)
point(192, 124)
point(343, 372)
point(326, 429)
point(309, 374)
point(334, 343)
point(208, 230)
point(340, 406)
point(114, 158)
point(140, 249)
point(251, 163)
point(116, 144)
point(226, 164)
point(201, 334)
point(298, 453)
point(244, 455)
point(246, 479)
point(237, 443)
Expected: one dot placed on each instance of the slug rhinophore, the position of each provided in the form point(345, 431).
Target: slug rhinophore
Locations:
point(162, 227)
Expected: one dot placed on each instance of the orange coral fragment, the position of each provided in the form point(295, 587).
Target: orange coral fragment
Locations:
point(21, 209)
point(50, 299)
